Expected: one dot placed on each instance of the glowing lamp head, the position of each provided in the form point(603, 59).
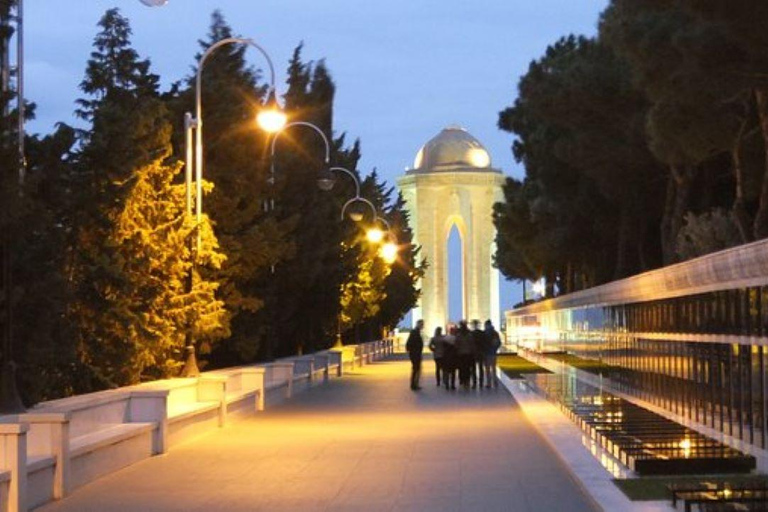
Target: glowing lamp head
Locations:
point(271, 120)
point(326, 180)
point(375, 235)
point(389, 252)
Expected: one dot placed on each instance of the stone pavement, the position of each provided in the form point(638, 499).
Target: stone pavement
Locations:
point(365, 442)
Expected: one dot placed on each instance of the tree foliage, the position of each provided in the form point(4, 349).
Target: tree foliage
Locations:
point(630, 136)
point(112, 285)
point(134, 301)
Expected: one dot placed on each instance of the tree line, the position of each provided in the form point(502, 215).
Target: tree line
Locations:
point(106, 286)
point(644, 145)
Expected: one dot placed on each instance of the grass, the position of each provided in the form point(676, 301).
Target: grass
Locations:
point(655, 488)
point(588, 365)
point(515, 366)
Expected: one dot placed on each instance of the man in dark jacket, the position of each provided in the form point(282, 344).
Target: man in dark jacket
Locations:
point(480, 341)
point(415, 346)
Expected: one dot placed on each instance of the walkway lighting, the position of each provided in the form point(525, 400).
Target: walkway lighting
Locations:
point(271, 117)
point(388, 252)
point(374, 235)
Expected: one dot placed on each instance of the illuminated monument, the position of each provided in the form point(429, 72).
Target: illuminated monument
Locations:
point(452, 184)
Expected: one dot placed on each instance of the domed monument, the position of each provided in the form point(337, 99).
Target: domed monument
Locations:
point(452, 183)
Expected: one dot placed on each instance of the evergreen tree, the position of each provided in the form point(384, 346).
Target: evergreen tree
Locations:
point(133, 305)
point(400, 286)
point(304, 303)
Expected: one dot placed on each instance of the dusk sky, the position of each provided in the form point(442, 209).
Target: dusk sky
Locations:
point(403, 69)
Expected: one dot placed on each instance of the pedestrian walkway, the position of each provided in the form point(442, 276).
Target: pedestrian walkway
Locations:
point(364, 443)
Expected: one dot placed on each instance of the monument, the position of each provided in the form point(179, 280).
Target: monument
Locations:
point(452, 184)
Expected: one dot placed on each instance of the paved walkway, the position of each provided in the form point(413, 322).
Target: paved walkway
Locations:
point(365, 443)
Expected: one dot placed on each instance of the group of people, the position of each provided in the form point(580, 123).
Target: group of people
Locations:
point(470, 353)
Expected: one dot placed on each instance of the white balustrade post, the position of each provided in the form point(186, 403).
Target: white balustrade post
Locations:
point(13, 437)
point(213, 388)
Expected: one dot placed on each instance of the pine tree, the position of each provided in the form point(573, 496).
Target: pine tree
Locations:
point(304, 303)
point(399, 287)
point(363, 293)
point(133, 305)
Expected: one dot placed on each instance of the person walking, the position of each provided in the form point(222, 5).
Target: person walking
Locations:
point(414, 346)
point(465, 350)
point(437, 346)
point(480, 342)
point(489, 362)
point(450, 358)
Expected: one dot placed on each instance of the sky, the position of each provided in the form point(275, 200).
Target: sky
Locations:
point(404, 69)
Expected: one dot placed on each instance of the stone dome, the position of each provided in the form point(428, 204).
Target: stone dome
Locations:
point(452, 149)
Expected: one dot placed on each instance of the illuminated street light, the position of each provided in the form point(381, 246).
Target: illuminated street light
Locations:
point(375, 235)
point(388, 252)
point(270, 119)
point(326, 178)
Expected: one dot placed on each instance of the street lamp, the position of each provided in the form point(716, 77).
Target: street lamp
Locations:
point(389, 249)
point(326, 179)
point(270, 119)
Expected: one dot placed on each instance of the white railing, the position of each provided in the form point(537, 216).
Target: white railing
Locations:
point(739, 267)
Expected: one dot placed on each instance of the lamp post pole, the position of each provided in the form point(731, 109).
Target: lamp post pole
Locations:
point(195, 162)
point(325, 182)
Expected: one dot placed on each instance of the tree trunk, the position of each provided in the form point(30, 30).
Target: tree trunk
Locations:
point(743, 221)
point(761, 218)
point(667, 248)
point(678, 192)
point(621, 247)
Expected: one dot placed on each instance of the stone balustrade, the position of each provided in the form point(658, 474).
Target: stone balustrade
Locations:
point(63, 444)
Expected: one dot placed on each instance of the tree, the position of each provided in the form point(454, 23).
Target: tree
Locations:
point(588, 172)
point(709, 232)
point(398, 290)
point(363, 293)
point(699, 109)
point(304, 305)
point(133, 305)
point(401, 285)
point(744, 65)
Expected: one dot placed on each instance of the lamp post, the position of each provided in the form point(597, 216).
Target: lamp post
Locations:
point(326, 181)
point(270, 120)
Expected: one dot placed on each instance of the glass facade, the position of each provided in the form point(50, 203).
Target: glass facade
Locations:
point(702, 357)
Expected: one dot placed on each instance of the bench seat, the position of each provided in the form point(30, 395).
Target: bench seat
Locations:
point(107, 436)
point(181, 412)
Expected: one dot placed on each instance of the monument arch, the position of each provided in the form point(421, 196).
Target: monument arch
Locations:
point(452, 183)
